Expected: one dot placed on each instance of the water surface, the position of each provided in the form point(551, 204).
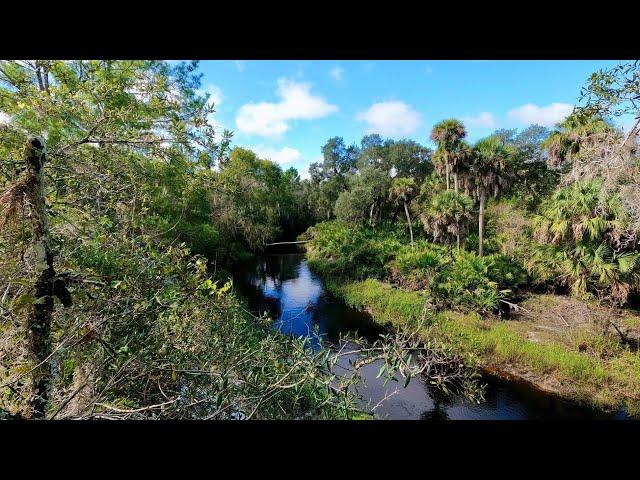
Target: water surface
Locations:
point(285, 287)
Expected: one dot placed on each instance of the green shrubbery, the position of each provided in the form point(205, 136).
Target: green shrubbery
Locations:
point(354, 252)
point(584, 242)
point(165, 330)
point(452, 279)
point(476, 282)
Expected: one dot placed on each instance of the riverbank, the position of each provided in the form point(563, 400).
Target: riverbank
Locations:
point(576, 362)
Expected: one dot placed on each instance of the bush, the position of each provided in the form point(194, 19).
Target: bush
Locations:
point(461, 279)
point(477, 282)
point(414, 268)
point(353, 252)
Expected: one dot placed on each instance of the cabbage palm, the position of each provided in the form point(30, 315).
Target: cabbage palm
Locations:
point(447, 216)
point(490, 172)
point(402, 191)
point(452, 151)
point(574, 133)
point(579, 235)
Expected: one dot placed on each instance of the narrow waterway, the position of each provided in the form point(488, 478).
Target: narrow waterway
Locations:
point(294, 296)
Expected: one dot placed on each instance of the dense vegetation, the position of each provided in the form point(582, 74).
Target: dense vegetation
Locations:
point(477, 228)
point(142, 209)
point(123, 211)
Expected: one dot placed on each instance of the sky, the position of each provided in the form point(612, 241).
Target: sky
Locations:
point(286, 110)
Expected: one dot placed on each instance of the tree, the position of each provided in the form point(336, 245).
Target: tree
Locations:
point(449, 135)
point(447, 216)
point(106, 124)
point(365, 196)
point(252, 198)
point(406, 158)
point(403, 158)
point(330, 177)
point(491, 171)
point(585, 244)
point(576, 132)
point(534, 179)
point(613, 93)
point(402, 191)
point(338, 160)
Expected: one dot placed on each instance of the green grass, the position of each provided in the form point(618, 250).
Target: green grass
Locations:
point(607, 383)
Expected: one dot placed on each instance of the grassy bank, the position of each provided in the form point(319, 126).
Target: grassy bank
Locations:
point(605, 374)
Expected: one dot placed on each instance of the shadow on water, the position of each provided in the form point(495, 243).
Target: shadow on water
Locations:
point(285, 287)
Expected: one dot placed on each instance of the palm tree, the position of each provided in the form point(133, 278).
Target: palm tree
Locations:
point(451, 153)
point(580, 246)
point(447, 216)
point(402, 190)
point(490, 172)
point(573, 134)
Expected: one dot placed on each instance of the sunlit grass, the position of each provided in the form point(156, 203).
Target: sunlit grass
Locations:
point(606, 382)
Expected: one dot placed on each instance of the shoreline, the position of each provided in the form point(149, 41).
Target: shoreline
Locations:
point(495, 347)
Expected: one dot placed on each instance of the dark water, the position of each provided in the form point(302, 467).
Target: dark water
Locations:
point(284, 286)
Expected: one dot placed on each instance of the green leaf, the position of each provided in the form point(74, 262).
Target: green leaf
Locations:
point(23, 301)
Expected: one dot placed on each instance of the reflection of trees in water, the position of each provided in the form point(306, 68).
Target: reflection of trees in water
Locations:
point(333, 317)
point(275, 269)
point(441, 401)
point(251, 283)
point(281, 268)
point(259, 303)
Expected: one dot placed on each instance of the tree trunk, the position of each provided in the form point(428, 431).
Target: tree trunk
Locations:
point(41, 266)
point(455, 181)
point(483, 199)
point(458, 239)
point(39, 76)
point(371, 214)
point(446, 170)
point(406, 211)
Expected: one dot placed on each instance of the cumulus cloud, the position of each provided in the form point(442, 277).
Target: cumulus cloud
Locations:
point(214, 92)
point(272, 119)
point(546, 116)
point(392, 119)
point(483, 120)
point(281, 156)
point(336, 73)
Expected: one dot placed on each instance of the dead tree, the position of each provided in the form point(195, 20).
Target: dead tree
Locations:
point(45, 285)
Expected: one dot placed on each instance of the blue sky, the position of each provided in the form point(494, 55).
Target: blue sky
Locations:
point(286, 110)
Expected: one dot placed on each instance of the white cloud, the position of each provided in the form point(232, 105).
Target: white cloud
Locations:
point(393, 118)
point(215, 98)
point(283, 155)
point(546, 116)
point(483, 120)
point(296, 103)
point(214, 92)
point(336, 73)
point(5, 118)
point(240, 65)
point(304, 174)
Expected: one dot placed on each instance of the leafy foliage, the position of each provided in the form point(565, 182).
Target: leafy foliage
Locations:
point(447, 217)
point(584, 244)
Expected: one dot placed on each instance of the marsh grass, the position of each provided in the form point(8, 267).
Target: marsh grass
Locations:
point(607, 375)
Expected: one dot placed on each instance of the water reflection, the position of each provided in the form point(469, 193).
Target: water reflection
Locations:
point(285, 287)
